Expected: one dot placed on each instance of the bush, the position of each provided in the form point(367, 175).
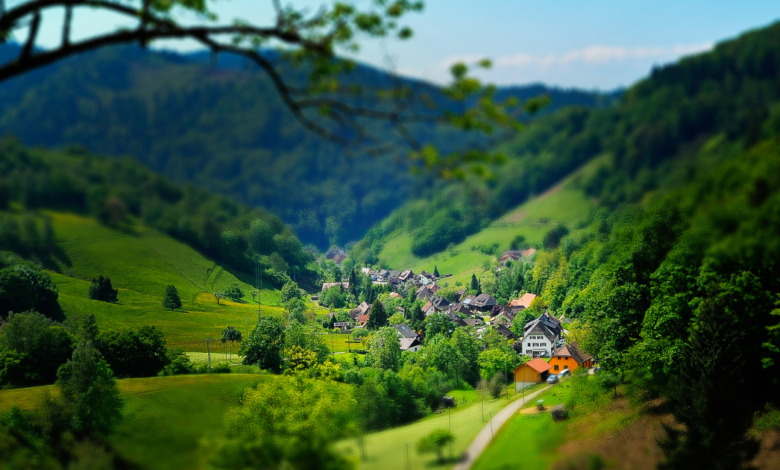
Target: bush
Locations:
point(221, 368)
point(435, 442)
point(134, 353)
point(553, 237)
point(101, 289)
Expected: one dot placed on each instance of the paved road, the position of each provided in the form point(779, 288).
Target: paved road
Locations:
point(486, 434)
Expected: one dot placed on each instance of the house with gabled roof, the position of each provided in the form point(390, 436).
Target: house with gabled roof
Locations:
point(361, 309)
point(505, 332)
point(328, 285)
point(405, 275)
point(524, 300)
point(410, 344)
point(482, 303)
point(571, 357)
point(404, 331)
point(541, 335)
point(424, 293)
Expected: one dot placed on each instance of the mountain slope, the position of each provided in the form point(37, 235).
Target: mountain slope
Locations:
point(225, 129)
point(648, 138)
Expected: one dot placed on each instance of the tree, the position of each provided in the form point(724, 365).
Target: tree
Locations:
point(297, 310)
point(41, 346)
point(290, 291)
point(438, 323)
point(384, 349)
point(230, 334)
point(172, 299)
point(435, 442)
point(88, 386)
point(436, 271)
point(101, 289)
point(134, 352)
point(474, 283)
point(290, 423)
point(264, 345)
point(396, 319)
point(377, 317)
point(218, 295)
point(23, 288)
point(234, 293)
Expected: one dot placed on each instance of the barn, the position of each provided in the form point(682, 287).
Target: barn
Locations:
point(532, 372)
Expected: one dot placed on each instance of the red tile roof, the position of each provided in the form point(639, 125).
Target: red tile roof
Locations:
point(539, 365)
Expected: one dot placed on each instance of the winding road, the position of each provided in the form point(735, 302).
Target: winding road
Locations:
point(486, 434)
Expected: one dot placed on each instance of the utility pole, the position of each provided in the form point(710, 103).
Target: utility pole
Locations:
point(506, 377)
point(208, 348)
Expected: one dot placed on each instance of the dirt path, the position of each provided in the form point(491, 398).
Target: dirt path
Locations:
point(486, 434)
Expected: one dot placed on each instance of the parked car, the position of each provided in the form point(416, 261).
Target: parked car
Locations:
point(552, 379)
point(564, 373)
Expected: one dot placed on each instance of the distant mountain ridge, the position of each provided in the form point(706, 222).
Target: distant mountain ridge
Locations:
point(225, 129)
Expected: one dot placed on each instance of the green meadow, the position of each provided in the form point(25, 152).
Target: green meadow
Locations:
point(395, 448)
point(141, 262)
point(165, 418)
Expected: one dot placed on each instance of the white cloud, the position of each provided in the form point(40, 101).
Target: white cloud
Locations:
point(593, 55)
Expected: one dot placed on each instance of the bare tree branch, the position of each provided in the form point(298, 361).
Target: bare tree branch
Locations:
point(30, 44)
point(66, 26)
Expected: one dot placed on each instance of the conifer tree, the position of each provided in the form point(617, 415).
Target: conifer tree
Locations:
point(353, 283)
point(377, 318)
point(474, 283)
point(436, 271)
point(172, 299)
point(101, 289)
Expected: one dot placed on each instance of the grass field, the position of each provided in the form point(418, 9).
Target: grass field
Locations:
point(561, 204)
point(531, 441)
point(141, 263)
point(395, 448)
point(165, 417)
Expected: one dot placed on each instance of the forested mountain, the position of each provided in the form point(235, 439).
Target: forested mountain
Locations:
point(731, 91)
point(224, 128)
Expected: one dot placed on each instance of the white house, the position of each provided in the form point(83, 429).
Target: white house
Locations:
point(541, 335)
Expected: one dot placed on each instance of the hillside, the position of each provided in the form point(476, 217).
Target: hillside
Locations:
point(225, 129)
point(165, 417)
point(564, 203)
point(650, 138)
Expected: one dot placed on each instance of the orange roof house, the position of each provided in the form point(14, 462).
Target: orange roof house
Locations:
point(524, 301)
point(533, 371)
point(570, 357)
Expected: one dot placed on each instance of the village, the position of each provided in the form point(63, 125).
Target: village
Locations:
point(539, 340)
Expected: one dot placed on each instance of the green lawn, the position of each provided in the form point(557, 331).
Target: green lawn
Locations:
point(562, 204)
point(165, 417)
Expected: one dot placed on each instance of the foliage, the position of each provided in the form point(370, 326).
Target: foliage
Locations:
point(90, 390)
point(438, 323)
point(101, 289)
point(234, 293)
point(377, 317)
point(264, 344)
point(396, 319)
point(287, 424)
point(24, 288)
point(134, 352)
point(39, 345)
point(493, 361)
point(290, 291)
point(435, 442)
point(384, 349)
point(334, 297)
point(172, 299)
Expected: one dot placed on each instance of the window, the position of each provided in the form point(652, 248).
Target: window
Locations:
point(565, 367)
point(556, 367)
point(566, 358)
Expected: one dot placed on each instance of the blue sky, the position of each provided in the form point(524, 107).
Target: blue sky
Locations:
point(596, 44)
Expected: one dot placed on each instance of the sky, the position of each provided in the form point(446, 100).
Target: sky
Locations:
point(591, 44)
